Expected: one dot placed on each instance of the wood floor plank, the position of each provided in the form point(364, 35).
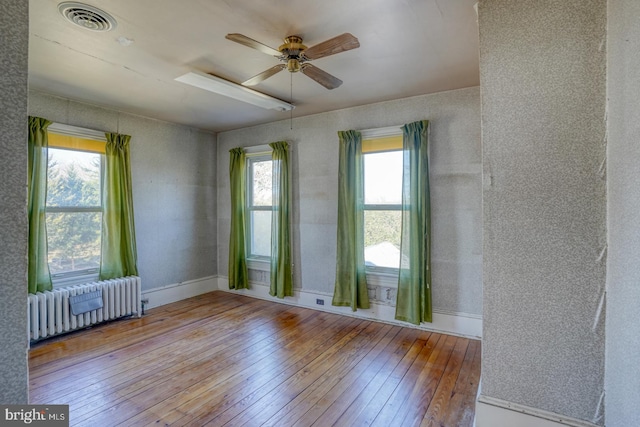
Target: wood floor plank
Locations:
point(337, 397)
point(364, 344)
point(470, 374)
point(95, 345)
point(159, 375)
point(368, 414)
point(461, 410)
point(404, 343)
point(293, 360)
point(105, 362)
point(226, 359)
point(429, 378)
point(189, 401)
point(438, 396)
point(283, 393)
point(355, 395)
point(137, 359)
point(449, 403)
point(389, 414)
point(107, 334)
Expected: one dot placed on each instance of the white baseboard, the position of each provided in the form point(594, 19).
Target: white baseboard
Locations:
point(179, 291)
point(459, 324)
point(491, 412)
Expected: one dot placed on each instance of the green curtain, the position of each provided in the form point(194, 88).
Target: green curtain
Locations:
point(281, 280)
point(238, 273)
point(38, 276)
point(414, 283)
point(119, 255)
point(351, 284)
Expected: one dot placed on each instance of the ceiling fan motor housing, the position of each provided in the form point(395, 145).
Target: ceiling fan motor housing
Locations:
point(292, 52)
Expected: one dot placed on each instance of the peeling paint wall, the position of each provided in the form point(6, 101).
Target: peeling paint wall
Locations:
point(622, 379)
point(456, 189)
point(14, 39)
point(174, 188)
point(542, 67)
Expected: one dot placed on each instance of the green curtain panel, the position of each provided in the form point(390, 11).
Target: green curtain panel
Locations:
point(414, 283)
point(38, 276)
point(119, 254)
point(351, 284)
point(238, 272)
point(281, 279)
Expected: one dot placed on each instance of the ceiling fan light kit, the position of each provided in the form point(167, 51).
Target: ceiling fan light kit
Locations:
point(229, 89)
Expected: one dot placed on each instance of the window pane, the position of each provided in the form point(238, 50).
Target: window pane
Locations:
point(261, 183)
point(73, 240)
point(383, 178)
point(382, 238)
point(261, 233)
point(73, 178)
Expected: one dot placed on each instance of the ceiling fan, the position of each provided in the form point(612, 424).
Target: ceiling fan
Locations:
point(296, 57)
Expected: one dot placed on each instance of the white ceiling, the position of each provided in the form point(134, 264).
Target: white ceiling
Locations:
point(407, 48)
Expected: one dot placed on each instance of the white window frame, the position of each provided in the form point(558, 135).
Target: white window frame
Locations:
point(255, 154)
point(384, 276)
point(91, 274)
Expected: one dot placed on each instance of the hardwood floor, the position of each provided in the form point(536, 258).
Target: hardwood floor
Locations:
point(224, 359)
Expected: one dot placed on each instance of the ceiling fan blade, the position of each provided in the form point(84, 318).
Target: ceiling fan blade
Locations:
point(322, 77)
point(264, 75)
point(332, 46)
point(242, 39)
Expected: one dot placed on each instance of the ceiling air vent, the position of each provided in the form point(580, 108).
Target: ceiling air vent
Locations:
point(87, 17)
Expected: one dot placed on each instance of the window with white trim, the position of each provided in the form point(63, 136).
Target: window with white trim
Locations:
point(382, 163)
point(259, 205)
point(74, 204)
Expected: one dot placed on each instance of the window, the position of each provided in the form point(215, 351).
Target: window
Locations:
point(259, 205)
point(74, 207)
point(382, 163)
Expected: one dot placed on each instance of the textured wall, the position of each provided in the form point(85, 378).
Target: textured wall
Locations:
point(455, 185)
point(622, 379)
point(174, 188)
point(14, 36)
point(542, 74)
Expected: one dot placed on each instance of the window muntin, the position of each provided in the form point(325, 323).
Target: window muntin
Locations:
point(74, 208)
point(383, 171)
point(259, 205)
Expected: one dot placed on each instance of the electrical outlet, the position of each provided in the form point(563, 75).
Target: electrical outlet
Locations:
point(319, 301)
